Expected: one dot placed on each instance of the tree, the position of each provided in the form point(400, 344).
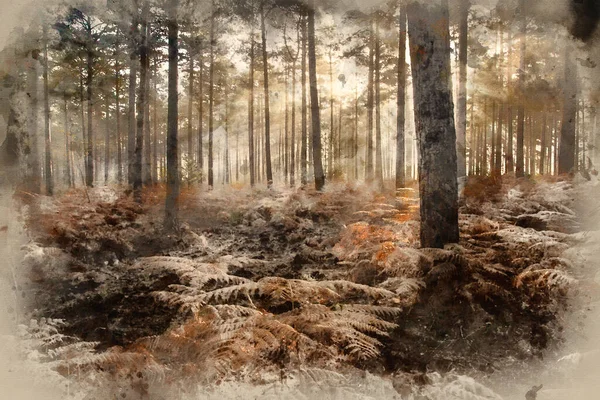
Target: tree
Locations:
point(428, 28)
point(520, 165)
point(172, 199)
point(461, 123)
point(566, 157)
point(401, 99)
point(314, 100)
point(47, 139)
point(263, 31)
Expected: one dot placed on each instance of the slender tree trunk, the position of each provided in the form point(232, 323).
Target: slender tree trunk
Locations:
point(510, 166)
point(190, 111)
point(314, 101)
point(68, 167)
point(251, 164)
point(520, 167)
point(378, 146)
point(304, 145)
point(154, 173)
point(293, 139)
point(118, 117)
point(461, 123)
point(286, 140)
point(34, 180)
point(171, 203)
point(133, 66)
point(141, 105)
point(430, 56)
point(211, 95)
point(106, 138)
point(370, 101)
point(267, 105)
point(544, 144)
point(89, 175)
point(147, 158)
point(47, 138)
point(201, 118)
point(401, 100)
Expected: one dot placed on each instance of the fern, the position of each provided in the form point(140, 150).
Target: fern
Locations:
point(543, 278)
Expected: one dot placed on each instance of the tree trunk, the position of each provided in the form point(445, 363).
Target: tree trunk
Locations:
point(293, 139)
point(133, 66)
point(251, 166)
point(370, 101)
point(267, 105)
point(378, 146)
point(566, 158)
point(520, 167)
point(147, 157)
point(314, 101)
point(438, 189)
point(141, 106)
point(68, 166)
point(106, 138)
point(401, 101)
point(89, 173)
point(304, 145)
point(154, 173)
point(190, 111)
point(47, 138)
point(118, 117)
point(211, 91)
point(461, 112)
point(201, 118)
point(171, 203)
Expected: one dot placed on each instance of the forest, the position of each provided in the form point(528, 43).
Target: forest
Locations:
point(384, 199)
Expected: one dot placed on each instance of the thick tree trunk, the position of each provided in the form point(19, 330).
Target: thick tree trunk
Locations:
point(314, 101)
point(293, 139)
point(171, 203)
point(566, 157)
point(430, 54)
point(47, 138)
point(544, 145)
point(267, 105)
point(401, 100)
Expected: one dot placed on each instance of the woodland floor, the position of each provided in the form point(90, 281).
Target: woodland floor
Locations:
point(264, 282)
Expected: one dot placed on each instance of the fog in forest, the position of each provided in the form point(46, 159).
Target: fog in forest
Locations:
point(308, 199)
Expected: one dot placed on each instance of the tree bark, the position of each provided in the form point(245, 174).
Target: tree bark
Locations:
point(251, 164)
point(566, 157)
point(211, 95)
point(401, 101)
point(314, 101)
point(304, 145)
point(378, 146)
point(133, 66)
point(172, 199)
point(520, 167)
point(47, 138)
point(141, 105)
point(461, 112)
point(430, 57)
point(266, 90)
point(370, 101)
